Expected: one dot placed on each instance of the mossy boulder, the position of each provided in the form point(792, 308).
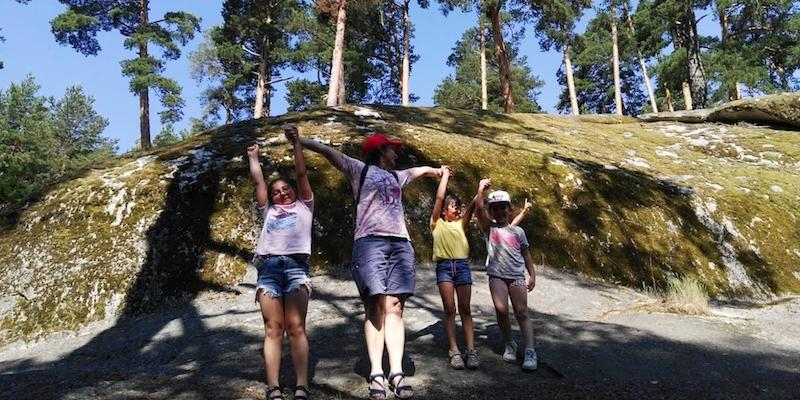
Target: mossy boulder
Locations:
point(628, 202)
point(776, 109)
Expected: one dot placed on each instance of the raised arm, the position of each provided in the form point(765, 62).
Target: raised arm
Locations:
point(303, 186)
point(480, 213)
point(522, 214)
point(424, 171)
point(257, 175)
point(526, 254)
point(440, 191)
point(333, 156)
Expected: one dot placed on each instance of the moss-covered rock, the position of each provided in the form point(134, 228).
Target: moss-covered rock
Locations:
point(630, 202)
point(777, 109)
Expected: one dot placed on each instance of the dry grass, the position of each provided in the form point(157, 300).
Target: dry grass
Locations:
point(686, 296)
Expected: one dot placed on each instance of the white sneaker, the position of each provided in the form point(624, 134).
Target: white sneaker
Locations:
point(530, 362)
point(510, 354)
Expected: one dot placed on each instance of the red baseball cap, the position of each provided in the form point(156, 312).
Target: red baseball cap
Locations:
point(377, 140)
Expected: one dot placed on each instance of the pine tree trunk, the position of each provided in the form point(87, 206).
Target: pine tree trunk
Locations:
point(670, 104)
point(341, 98)
point(144, 94)
point(724, 39)
point(642, 64)
point(484, 86)
point(500, 53)
point(258, 109)
point(697, 75)
point(573, 97)
point(337, 64)
point(266, 112)
point(615, 59)
point(406, 53)
point(687, 96)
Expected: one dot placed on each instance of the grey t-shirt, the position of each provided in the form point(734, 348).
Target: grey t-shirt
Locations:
point(505, 245)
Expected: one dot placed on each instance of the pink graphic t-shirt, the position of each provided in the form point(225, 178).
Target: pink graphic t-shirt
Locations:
point(380, 208)
point(287, 229)
point(505, 245)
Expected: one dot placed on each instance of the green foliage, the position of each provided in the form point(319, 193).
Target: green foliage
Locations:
point(759, 47)
point(464, 89)
point(43, 139)
point(302, 94)
point(555, 21)
point(592, 68)
point(166, 137)
point(225, 92)
point(372, 54)
point(79, 25)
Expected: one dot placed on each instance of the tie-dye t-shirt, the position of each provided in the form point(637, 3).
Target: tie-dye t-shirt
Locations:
point(505, 245)
point(380, 208)
point(287, 229)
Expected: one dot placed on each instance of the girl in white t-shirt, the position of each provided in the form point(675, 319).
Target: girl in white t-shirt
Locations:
point(282, 256)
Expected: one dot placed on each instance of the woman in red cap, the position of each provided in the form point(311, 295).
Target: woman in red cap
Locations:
point(383, 259)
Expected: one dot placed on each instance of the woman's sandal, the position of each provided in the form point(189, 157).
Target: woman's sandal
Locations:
point(274, 393)
point(303, 396)
point(376, 394)
point(398, 389)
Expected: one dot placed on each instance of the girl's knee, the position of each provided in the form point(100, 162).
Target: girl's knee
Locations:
point(521, 315)
point(296, 330)
point(275, 328)
point(450, 310)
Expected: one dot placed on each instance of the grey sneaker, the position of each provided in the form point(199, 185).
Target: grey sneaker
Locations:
point(456, 361)
point(510, 354)
point(473, 362)
point(530, 362)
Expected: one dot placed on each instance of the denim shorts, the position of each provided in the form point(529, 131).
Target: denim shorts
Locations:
point(281, 275)
point(383, 265)
point(455, 271)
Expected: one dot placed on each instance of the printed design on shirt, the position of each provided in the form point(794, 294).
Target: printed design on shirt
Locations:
point(282, 221)
point(387, 187)
point(504, 238)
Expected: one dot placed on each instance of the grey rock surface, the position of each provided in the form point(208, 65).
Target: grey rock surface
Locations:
point(594, 341)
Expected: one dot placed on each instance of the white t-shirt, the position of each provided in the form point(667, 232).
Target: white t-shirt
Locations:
point(287, 228)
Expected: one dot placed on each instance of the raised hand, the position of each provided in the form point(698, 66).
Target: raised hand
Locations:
point(445, 171)
point(252, 151)
point(291, 132)
point(484, 184)
point(527, 207)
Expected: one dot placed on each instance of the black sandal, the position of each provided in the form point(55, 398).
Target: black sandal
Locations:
point(271, 393)
point(397, 389)
point(303, 396)
point(376, 394)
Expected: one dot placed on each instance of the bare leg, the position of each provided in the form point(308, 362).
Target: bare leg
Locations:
point(374, 333)
point(499, 291)
point(272, 313)
point(519, 301)
point(295, 318)
point(447, 292)
point(396, 339)
point(464, 293)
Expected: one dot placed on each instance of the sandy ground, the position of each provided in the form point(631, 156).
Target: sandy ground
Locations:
point(594, 341)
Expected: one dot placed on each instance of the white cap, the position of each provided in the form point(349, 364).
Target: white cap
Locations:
point(499, 196)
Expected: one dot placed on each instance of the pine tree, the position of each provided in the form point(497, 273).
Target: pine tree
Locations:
point(373, 55)
point(593, 67)
point(555, 25)
point(253, 42)
point(463, 89)
point(78, 28)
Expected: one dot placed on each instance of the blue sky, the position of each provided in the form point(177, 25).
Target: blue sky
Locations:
point(30, 48)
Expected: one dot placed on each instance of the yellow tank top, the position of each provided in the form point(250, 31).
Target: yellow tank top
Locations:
point(449, 240)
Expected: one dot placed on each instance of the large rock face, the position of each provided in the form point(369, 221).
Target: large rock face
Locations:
point(625, 201)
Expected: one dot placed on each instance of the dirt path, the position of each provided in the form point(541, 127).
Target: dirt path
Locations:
point(594, 341)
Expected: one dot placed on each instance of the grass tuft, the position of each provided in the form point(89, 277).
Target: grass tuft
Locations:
point(686, 296)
